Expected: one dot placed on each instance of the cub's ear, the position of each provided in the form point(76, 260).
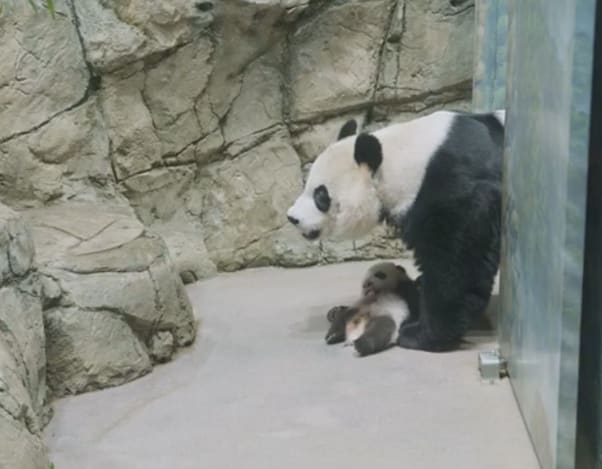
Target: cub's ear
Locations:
point(348, 129)
point(368, 151)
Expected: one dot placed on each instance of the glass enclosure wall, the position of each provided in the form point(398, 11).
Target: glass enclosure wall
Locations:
point(490, 50)
point(549, 91)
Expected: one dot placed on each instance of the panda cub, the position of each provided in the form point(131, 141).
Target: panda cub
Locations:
point(389, 298)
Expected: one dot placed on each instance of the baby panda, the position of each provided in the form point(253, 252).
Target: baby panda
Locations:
point(389, 299)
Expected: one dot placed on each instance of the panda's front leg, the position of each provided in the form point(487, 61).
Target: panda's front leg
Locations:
point(441, 322)
point(410, 336)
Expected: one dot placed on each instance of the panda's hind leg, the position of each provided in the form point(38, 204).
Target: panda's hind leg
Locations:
point(450, 300)
point(457, 246)
point(378, 336)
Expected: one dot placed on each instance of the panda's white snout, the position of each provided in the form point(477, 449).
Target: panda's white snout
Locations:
point(292, 217)
point(310, 234)
point(301, 216)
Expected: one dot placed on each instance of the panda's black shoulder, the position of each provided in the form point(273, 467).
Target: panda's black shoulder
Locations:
point(471, 150)
point(462, 179)
point(489, 121)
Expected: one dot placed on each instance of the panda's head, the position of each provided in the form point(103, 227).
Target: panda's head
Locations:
point(340, 200)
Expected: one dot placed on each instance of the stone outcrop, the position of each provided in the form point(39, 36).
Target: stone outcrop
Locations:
point(203, 116)
point(23, 411)
point(113, 301)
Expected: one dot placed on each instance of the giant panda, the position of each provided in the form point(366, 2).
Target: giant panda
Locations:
point(437, 180)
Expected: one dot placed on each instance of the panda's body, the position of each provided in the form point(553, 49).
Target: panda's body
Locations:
point(438, 180)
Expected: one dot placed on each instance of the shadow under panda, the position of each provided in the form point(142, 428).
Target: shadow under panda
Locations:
point(389, 299)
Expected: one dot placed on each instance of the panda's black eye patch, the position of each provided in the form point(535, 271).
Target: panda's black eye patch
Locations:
point(380, 275)
point(322, 198)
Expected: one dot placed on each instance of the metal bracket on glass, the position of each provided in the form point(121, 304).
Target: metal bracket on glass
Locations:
point(492, 365)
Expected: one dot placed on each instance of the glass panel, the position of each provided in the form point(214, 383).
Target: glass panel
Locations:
point(491, 32)
point(549, 93)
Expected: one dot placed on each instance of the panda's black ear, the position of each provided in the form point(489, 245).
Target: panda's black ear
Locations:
point(368, 151)
point(348, 129)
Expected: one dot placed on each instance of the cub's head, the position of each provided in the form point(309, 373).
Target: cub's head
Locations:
point(383, 277)
point(339, 200)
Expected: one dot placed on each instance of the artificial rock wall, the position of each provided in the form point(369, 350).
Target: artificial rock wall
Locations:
point(23, 397)
point(203, 116)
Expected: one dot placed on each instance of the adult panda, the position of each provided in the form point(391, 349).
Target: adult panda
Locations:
point(437, 179)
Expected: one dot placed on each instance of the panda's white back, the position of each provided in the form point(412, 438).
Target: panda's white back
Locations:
point(407, 148)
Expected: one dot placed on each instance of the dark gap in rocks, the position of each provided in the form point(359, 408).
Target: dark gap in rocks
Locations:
point(204, 6)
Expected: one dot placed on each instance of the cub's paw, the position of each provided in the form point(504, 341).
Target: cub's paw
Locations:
point(364, 346)
point(336, 312)
point(334, 337)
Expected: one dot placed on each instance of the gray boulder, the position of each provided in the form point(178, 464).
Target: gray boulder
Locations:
point(111, 294)
point(23, 411)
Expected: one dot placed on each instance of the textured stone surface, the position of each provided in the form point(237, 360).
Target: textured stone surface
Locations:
point(90, 350)
point(188, 252)
point(162, 346)
point(67, 157)
point(23, 411)
point(42, 54)
point(19, 448)
point(342, 44)
point(427, 50)
point(243, 202)
point(119, 33)
point(109, 286)
point(176, 109)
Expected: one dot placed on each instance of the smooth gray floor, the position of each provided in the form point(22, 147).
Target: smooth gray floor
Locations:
point(261, 390)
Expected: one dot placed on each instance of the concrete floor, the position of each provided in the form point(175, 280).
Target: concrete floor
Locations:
point(261, 390)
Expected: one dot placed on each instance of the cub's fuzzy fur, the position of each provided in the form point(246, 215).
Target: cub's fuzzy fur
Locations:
point(389, 298)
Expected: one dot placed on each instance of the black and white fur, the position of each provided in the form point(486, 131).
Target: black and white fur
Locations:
point(437, 179)
point(389, 297)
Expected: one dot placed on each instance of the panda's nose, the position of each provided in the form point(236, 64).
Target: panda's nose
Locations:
point(293, 220)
